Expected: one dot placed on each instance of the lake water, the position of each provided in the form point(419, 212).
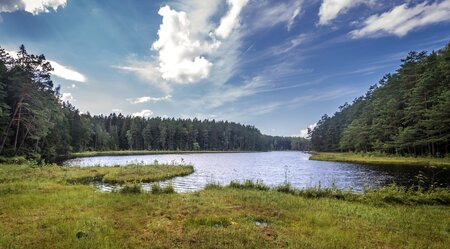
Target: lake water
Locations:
point(274, 168)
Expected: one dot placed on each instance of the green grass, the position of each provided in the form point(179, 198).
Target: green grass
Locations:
point(374, 158)
point(145, 152)
point(39, 209)
point(85, 175)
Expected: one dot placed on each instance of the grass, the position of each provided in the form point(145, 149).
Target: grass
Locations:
point(84, 175)
point(145, 152)
point(42, 210)
point(375, 158)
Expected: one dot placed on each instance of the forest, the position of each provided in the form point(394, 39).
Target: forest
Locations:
point(406, 113)
point(35, 123)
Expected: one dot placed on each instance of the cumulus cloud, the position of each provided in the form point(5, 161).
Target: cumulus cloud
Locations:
point(304, 132)
point(181, 56)
point(66, 73)
point(143, 114)
point(34, 7)
point(149, 99)
point(403, 18)
point(330, 9)
point(66, 97)
point(231, 19)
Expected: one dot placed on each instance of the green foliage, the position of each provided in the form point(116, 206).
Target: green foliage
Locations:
point(405, 113)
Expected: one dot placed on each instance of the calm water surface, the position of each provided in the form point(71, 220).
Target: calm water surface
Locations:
point(274, 168)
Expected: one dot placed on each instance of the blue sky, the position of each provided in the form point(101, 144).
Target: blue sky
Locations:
point(278, 65)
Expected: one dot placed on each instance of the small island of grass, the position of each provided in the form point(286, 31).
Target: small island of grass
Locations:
point(81, 175)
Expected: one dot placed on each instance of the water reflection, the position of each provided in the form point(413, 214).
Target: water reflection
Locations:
point(273, 168)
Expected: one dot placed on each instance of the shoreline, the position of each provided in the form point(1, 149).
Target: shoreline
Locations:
point(149, 152)
point(368, 158)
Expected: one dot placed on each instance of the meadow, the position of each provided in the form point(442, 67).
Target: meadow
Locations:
point(50, 207)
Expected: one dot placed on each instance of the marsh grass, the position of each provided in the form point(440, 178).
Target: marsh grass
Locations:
point(156, 188)
point(131, 188)
point(85, 175)
point(379, 158)
point(249, 184)
point(391, 194)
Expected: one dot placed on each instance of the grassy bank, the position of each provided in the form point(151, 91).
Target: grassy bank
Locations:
point(369, 158)
point(11, 173)
point(145, 152)
point(40, 209)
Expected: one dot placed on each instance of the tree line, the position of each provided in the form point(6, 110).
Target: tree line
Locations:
point(34, 122)
point(407, 112)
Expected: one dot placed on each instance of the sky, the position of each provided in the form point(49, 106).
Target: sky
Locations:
point(277, 65)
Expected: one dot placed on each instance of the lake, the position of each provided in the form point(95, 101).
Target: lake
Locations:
point(274, 168)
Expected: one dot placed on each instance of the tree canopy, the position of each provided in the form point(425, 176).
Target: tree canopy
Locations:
point(407, 112)
point(34, 122)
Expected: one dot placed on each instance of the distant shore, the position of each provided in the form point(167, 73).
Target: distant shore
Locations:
point(149, 152)
point(370, 158)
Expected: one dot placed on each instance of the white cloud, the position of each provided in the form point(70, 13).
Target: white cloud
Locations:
point(330, 9)
point(267, 14)
point(304, 132)
point(148, 72)
point(117, 110)
point(231, 19)
point(403, 18)
point(181, 56)
point(225, 94)
point(59, 70)
point(149, 99)
point(66, 73)
point(143, 114)
point(66, 97)
point(34, 7)
point(292, 19)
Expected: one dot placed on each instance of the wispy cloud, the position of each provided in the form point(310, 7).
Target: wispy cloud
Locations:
point(34, 7)
point(266, 14)
point(146, 99)
point(66, 72)
point(59, 70)
point(330, 9)
point(231, 19)
point(295, 102)
point(404, 18)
